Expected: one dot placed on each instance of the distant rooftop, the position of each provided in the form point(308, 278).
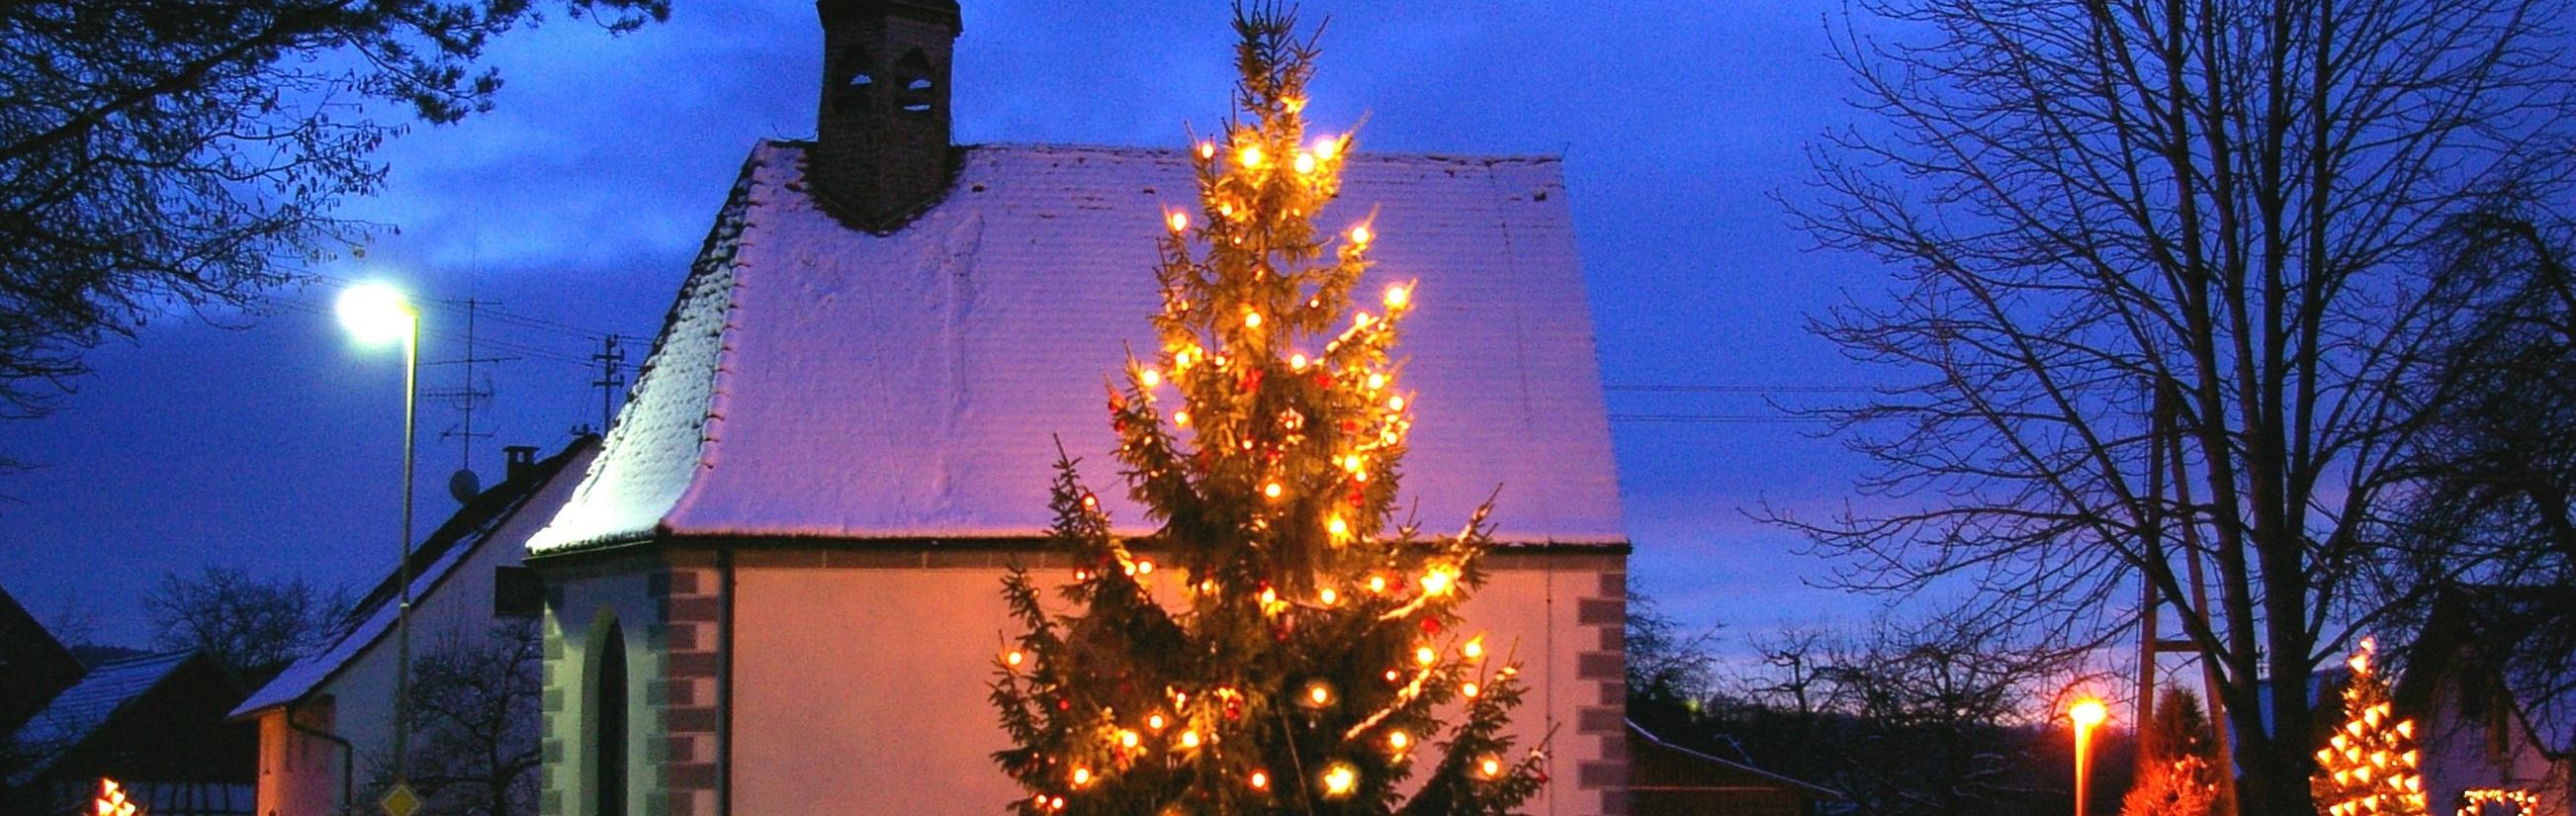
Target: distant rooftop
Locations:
point(81, 709)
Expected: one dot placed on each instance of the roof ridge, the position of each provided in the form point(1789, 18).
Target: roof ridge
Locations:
point(1363, 156)
point(122, 662)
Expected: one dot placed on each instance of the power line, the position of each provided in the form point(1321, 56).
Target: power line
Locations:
point(1715, 419)
point(522, 349)
point(1743, 389)
point(521, 320)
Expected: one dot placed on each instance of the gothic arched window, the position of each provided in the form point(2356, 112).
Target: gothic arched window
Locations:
point(608, 701)
point(855, 80)
point(918, 93)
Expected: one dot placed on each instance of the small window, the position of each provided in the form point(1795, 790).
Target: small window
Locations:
point(919, 93)
point(858, 79)
point(516, 593)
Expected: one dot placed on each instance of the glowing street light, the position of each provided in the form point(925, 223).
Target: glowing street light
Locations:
point(376, 314)
point(2086, 713)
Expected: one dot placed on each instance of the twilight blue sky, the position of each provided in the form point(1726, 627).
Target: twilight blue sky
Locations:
point(271, 443)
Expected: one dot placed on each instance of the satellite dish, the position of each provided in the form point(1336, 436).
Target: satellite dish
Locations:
point(464, 486)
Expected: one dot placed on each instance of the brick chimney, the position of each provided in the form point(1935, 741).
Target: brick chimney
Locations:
point(881, 133)
point(522, 459)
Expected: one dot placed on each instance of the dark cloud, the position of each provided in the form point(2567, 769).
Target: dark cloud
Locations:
point(581, 199)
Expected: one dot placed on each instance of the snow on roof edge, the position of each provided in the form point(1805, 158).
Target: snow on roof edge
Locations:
point(713, 269)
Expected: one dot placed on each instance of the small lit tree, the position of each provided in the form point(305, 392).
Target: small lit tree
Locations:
point(2176, 774)
point(2367, 766)
point(1299, 666)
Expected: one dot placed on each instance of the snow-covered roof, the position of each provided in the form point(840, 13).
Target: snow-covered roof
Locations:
point(473, 527)
point(818, 381)
point(82, 709)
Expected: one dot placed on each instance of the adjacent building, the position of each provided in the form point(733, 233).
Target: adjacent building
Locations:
point(325, 726)
point(2493, 721)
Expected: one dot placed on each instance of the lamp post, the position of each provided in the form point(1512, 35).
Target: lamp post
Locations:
point(2086, 713)
point(377, 314)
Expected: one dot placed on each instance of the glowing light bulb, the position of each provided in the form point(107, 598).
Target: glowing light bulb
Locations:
point(377, 313)
point(1360, 235)
point(1474, 648)
point(1180, 417)
point(1470, 689)
point(1015, 658)
point(1377, 584)
point(1154, 722)
point(1270, 490)
point(1190, 739)
point(1491, 766)
point(1128, 739)
point(1319, 694)
point(1329, 596)
point(1260, 780)
point(1436, 582)
point(1376, 381)
point(1249, 156)
point(1150, 378)
point(1297, 362)
point(1252, 320)
point(1326, 147)
point(1337, 527)
point(1178, 221)
point(1144, 567)
point(1397, 296)
point(1398, 740)
point(1305, 163)
point(1339, 780)
point(1081, 777)
point(1425, 656)
point(1395, 403)
point(1269, 596)
point(1207, 150)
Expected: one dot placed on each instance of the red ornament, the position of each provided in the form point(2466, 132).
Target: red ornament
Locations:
point(1064, 704)
point(1431, 626)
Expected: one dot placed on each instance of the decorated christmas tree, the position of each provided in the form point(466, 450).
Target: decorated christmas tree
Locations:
point(2367, 766)
point(1280, 643)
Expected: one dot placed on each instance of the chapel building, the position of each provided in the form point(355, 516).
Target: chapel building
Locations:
point(777, 588)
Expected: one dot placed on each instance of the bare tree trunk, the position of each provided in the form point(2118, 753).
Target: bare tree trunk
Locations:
point(2226, 200)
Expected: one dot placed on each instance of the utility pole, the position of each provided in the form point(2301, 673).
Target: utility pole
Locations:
point(612, 378)
point(2165, 435)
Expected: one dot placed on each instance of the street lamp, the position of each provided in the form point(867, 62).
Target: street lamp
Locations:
point(377, 314)
point(2086, 713)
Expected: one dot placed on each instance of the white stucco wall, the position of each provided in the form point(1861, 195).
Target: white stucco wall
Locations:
point(2459, 754)
point(863, 689)
point(360, 697)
